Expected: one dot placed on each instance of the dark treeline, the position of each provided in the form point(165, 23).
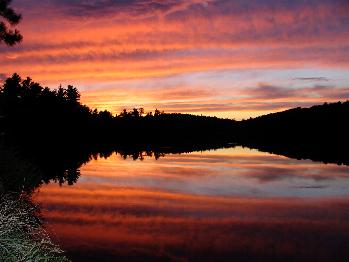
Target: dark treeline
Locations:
point(46, 135)
point(31, 113)
point(53, 132)
point(320, 124)
point(319, 133)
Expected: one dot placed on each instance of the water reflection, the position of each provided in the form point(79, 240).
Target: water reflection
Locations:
point(232, 204)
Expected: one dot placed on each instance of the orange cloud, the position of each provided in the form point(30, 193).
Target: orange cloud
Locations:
point(202, 100)
point(97, 43)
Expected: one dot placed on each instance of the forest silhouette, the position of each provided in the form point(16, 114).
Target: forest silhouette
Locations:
point(51, 134)
point(57, 117)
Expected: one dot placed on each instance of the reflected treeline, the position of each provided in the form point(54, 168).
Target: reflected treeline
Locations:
point(140, 152)
point(46, 135)
point(328, 154)
point(25, 168)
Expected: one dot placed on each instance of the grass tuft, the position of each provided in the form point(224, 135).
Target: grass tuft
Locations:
point(22, 237)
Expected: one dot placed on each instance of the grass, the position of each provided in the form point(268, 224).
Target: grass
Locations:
point(22, 237)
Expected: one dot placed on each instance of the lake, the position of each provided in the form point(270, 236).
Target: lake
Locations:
point(233, 204)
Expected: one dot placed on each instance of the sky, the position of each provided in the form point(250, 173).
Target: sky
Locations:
point(226, 58)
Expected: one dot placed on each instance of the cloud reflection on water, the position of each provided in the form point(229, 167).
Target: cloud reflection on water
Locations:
point(230, 204)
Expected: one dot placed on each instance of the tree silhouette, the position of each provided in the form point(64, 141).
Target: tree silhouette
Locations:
point(12, 87)
point(135, 112)
point(61, 92)
point(123, 113)
point(45, 118)
point(73, 95)
point(158, 112)
point(9, 36)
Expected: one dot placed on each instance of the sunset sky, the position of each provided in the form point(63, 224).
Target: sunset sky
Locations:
point(229, 58)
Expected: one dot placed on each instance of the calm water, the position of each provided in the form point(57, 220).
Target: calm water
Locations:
point(226, 205)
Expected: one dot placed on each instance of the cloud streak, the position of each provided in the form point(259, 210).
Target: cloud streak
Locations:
point(96, 42)
point(201, 100)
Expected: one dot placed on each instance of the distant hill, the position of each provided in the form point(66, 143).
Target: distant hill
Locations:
point(319, 133)
point(327, 123)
